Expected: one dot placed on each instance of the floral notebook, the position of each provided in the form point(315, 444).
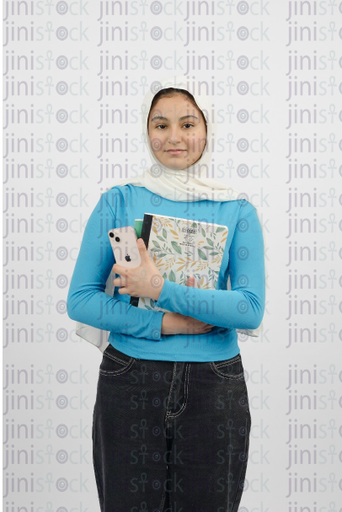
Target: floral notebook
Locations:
point(180, 248)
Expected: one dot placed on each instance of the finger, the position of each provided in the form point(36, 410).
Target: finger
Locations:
point(118, 282)
point(142, 250)
point(118, 269)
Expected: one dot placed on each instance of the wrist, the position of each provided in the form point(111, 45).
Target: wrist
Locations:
point(169, 323)
point(158, 290)
point(164, 324)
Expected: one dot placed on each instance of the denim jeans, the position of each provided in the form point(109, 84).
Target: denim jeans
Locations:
point(170, 436)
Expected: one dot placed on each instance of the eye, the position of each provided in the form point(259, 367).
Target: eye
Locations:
point(185, 124)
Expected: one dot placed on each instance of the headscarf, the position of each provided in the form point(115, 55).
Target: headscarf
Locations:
point(190, 184)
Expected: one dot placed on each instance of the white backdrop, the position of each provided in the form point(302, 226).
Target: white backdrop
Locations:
point(274, 71)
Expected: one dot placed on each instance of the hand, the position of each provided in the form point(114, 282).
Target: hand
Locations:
point(175, 323)
point(143, 281)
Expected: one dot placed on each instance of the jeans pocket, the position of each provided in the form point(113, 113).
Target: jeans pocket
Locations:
point(115, 362)
point(231, 372)
point(230, 368)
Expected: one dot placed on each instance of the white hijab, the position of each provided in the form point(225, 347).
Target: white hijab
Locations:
point(190, 184)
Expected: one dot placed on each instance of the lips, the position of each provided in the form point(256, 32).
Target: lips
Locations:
point(175, 151)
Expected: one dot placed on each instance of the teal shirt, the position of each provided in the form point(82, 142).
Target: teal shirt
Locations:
point(136, 331)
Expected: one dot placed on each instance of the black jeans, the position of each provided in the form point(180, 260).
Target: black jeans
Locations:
point(170, 436)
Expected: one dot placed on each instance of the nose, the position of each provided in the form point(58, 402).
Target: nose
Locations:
point(175, 135)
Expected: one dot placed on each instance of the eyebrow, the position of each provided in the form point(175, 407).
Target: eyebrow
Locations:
point(162, 118)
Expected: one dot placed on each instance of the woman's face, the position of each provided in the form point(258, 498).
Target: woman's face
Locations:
point(176, 124)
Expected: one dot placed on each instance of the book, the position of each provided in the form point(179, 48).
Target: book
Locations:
point(138, 226)
point(180, 248)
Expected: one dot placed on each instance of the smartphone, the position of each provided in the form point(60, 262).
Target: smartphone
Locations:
point(124, 244)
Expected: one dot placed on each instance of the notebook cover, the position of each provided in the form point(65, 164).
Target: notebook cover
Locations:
point(182, 247)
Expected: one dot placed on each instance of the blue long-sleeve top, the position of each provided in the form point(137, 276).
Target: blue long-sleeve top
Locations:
point(137, 331)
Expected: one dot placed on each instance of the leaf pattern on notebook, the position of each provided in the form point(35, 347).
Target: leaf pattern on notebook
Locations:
point(183, 247)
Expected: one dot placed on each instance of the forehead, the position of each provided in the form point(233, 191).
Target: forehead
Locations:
point(176, 107)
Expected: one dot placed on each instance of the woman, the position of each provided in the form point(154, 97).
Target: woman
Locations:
point(171, 420)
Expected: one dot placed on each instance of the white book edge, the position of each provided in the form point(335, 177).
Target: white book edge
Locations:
point(188, 220)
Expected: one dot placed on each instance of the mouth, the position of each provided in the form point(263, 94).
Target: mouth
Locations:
point(176, 151)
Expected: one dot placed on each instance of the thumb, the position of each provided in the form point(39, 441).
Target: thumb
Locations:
point(141, 244)
point(190, 281)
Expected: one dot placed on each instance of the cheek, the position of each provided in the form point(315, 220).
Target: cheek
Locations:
point(156, 144)
point(197, 144)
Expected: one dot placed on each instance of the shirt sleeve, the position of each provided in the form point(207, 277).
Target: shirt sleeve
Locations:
point(243, 306)
point(87, 301)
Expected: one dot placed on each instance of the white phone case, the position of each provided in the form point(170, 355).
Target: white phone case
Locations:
point(124, 244)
